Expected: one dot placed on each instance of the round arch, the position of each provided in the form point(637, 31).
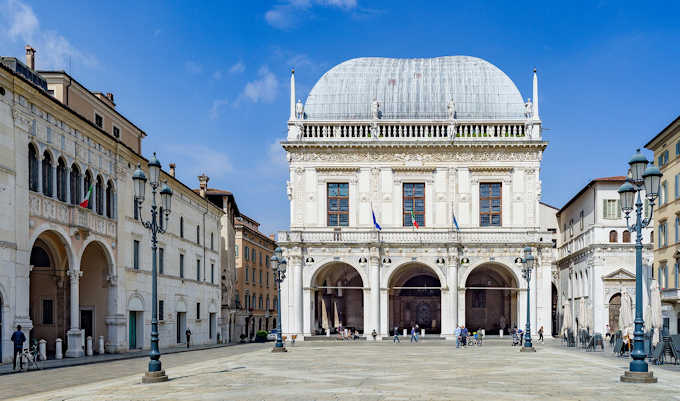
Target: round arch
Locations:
point(491, 297)
point(337, 298)
point(415, 293)
point(96, 267)
point(323, 266)
point(60, 233)
point(614, 309)
point(501, 266)
point(107, 251)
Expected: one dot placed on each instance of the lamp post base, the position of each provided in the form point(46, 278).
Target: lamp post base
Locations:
point(154, 377)
point(527, 349)
point(279, 349)
point(638, 377)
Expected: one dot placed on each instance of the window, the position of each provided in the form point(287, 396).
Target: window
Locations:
point(581, 220)
point(161, 257)
point(135, 254)
point(99, 196)
point(98, 120)
point(266, 261)
point(571, 227)
point(88, 183)
point(677, 185)
point(198, 311)
point(116, 132)
point(198, 270)
point(181, 265)
point(47, 174)
point(677, 270)
point(663, 159)
point(276, 303)
point(663, 238)
point(413, 197)
point(490, 204)
point(260, 278)
point(246, 300)
point(677, 229)
point(267, 279)
point(47, 312)
point(110, 201)
point(626, 236)
point(246, 254)
point(677, 148)
point(212, 241)
point(236, 250)
point(253, 255)
point(613, 236)
point(253, 302)
point(253, 271)
point(135, 211)
point(181, 227)
point(198, 234)
point(161, 309)
point(260, 258)
point(267, 302)
point(212, 273)
point(61, 180)
point(33, 182)
point(246, 280)
point(611, 209)
point(259, 302)
point(338, 204)
point(75, 184)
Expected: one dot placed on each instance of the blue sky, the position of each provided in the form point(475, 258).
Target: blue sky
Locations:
point(209, 83)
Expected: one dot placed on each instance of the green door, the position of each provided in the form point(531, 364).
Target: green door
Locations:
point(133, 330)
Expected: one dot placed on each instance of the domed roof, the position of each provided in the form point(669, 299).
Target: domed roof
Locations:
point(417, 88)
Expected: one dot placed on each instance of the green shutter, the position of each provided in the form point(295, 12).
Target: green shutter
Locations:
point(604, 208)
point(618, 209)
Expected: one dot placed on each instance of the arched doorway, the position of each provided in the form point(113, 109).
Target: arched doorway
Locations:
point(555, 312)
point(491, 299)
point(614, 311)
point(49, 289)
point(338, 299)
point(94, 266)
point(415, 298)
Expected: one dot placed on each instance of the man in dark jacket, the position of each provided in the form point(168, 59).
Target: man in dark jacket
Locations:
point(18, 338)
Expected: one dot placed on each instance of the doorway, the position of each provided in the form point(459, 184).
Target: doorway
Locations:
point(181, 327)
point(415, 298)
point(491, 299)
point(213, 325)
point(87, 323)
point(133, 330)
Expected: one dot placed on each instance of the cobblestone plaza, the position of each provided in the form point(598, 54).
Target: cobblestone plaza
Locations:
point(429, 370)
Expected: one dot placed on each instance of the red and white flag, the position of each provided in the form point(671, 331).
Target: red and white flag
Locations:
point(86, 201)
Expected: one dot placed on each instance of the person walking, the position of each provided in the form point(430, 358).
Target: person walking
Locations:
point(188, 334)
point(457, 334)
point(374, 334)
point(413, 334)
point(18, 339)
point(464, 334)
point(540, 334)
point(417, 331)
point(395, 339)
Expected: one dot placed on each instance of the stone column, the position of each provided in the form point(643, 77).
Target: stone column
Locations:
point(40, 178)
point(450, 299)
point(54, 179)
point(374, 278)
point(75, 348)
point(296, 276)
point(307, 297)
point(104, 214)
point(68, 184)
point(384, 312)
point(534, 296)
point(114, 319)
point(367, 311)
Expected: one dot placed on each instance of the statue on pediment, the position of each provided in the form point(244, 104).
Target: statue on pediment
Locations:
point(451, 109)
point(299, 110)
point(528, 108)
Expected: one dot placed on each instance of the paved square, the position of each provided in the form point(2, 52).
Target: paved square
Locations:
point(430, 370)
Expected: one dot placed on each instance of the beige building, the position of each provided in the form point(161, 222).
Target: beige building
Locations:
point(666, 148)
point(69, 272)
point(256, 291)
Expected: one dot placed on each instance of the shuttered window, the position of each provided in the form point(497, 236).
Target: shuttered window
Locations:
point(611, 209)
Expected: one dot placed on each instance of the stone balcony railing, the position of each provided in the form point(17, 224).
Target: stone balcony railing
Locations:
point(670, 295)
point(382, 130)
point(411, 236)
point(72, 216)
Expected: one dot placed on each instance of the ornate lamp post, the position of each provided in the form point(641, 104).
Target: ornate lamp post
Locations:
point(528, 262)
point(639, 179)
point(279, 268)
point(155, 373)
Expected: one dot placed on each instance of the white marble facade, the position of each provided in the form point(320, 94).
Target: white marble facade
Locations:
point(453, 125)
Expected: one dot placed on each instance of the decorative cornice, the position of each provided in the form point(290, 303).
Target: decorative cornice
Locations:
point(337, 168)
point(413, 169)
point(495, 169)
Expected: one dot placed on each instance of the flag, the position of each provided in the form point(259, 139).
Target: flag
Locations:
point(86, 201)
point(413, 219)
point(455, 222)
point(375, 222)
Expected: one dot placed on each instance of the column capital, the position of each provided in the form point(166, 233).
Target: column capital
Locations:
point(74, 274)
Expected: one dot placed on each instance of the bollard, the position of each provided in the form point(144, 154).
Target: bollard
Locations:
point(42, 349)
point(405, 332)
point(59, 354)
point(328, 332)
point(100, 347)
point(88, 350)
point(422, 332)
point(500, 333)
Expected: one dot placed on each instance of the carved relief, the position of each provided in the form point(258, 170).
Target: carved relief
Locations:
point(422, 155)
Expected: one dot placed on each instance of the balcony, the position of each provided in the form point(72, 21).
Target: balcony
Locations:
point(411, 236)
point(72, 216)
point(670, 295)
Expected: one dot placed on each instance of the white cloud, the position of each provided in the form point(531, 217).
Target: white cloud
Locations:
point(288, 13)
point(262, 89)
point(193, 160)
point(193, 67)
point(216, 106)
point(237, 68)
point(54, 51)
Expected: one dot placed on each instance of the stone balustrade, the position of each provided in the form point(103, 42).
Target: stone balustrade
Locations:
point(411, 236)
point(70, 215)
point(410, 131)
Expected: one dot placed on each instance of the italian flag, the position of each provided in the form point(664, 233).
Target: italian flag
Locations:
point(413, 219)
point(86, 201)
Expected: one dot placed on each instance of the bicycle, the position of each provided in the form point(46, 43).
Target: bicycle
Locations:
point(32, 357)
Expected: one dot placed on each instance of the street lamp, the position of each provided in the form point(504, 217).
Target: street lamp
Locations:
point(279, 267)
point(528, 265)
point(155, 374)
point(639, 179)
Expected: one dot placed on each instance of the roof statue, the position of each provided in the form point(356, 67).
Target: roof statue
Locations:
point(299, 110)
point(528, 108)
point(419, 88)
point(451, 109)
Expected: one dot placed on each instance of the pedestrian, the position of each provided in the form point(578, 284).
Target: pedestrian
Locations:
point(413, 334)
point(457, 334)
point(188, 334)
point(395, 339)
point(374, 334)
point(18, 338)
point(464, 335)
point(540, 334)
point(417, 331)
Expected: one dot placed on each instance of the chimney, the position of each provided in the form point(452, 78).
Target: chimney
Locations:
point(30, 57)
point(109, 95)
point(172, 169)
point(203, 181)
point(271, 237)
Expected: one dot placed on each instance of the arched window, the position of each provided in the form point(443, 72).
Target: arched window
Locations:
point(76, 191)
point(61, 180)
point(32, 168)
point(110, 199)
point(613, 236)
point(253, 303)
point(626, 236)
point(47, 174)
point(86, 189)
point(259, 303)
point(267, 302)
point(99, 195)
point(181, 227)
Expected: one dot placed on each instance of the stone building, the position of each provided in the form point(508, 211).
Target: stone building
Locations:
point(72, 272)
point(256, 292)
point(596, 256)
point(666, 148)
point(423, 145)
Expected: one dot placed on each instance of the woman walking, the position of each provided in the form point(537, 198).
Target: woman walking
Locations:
point(540, 334)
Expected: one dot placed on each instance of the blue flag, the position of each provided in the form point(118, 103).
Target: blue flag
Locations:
point(375, 222)
point(455, 223)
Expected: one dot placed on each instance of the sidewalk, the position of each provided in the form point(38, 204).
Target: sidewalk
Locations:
point(6, 368)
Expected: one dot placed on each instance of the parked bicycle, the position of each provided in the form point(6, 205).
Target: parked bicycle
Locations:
point(32, 357)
